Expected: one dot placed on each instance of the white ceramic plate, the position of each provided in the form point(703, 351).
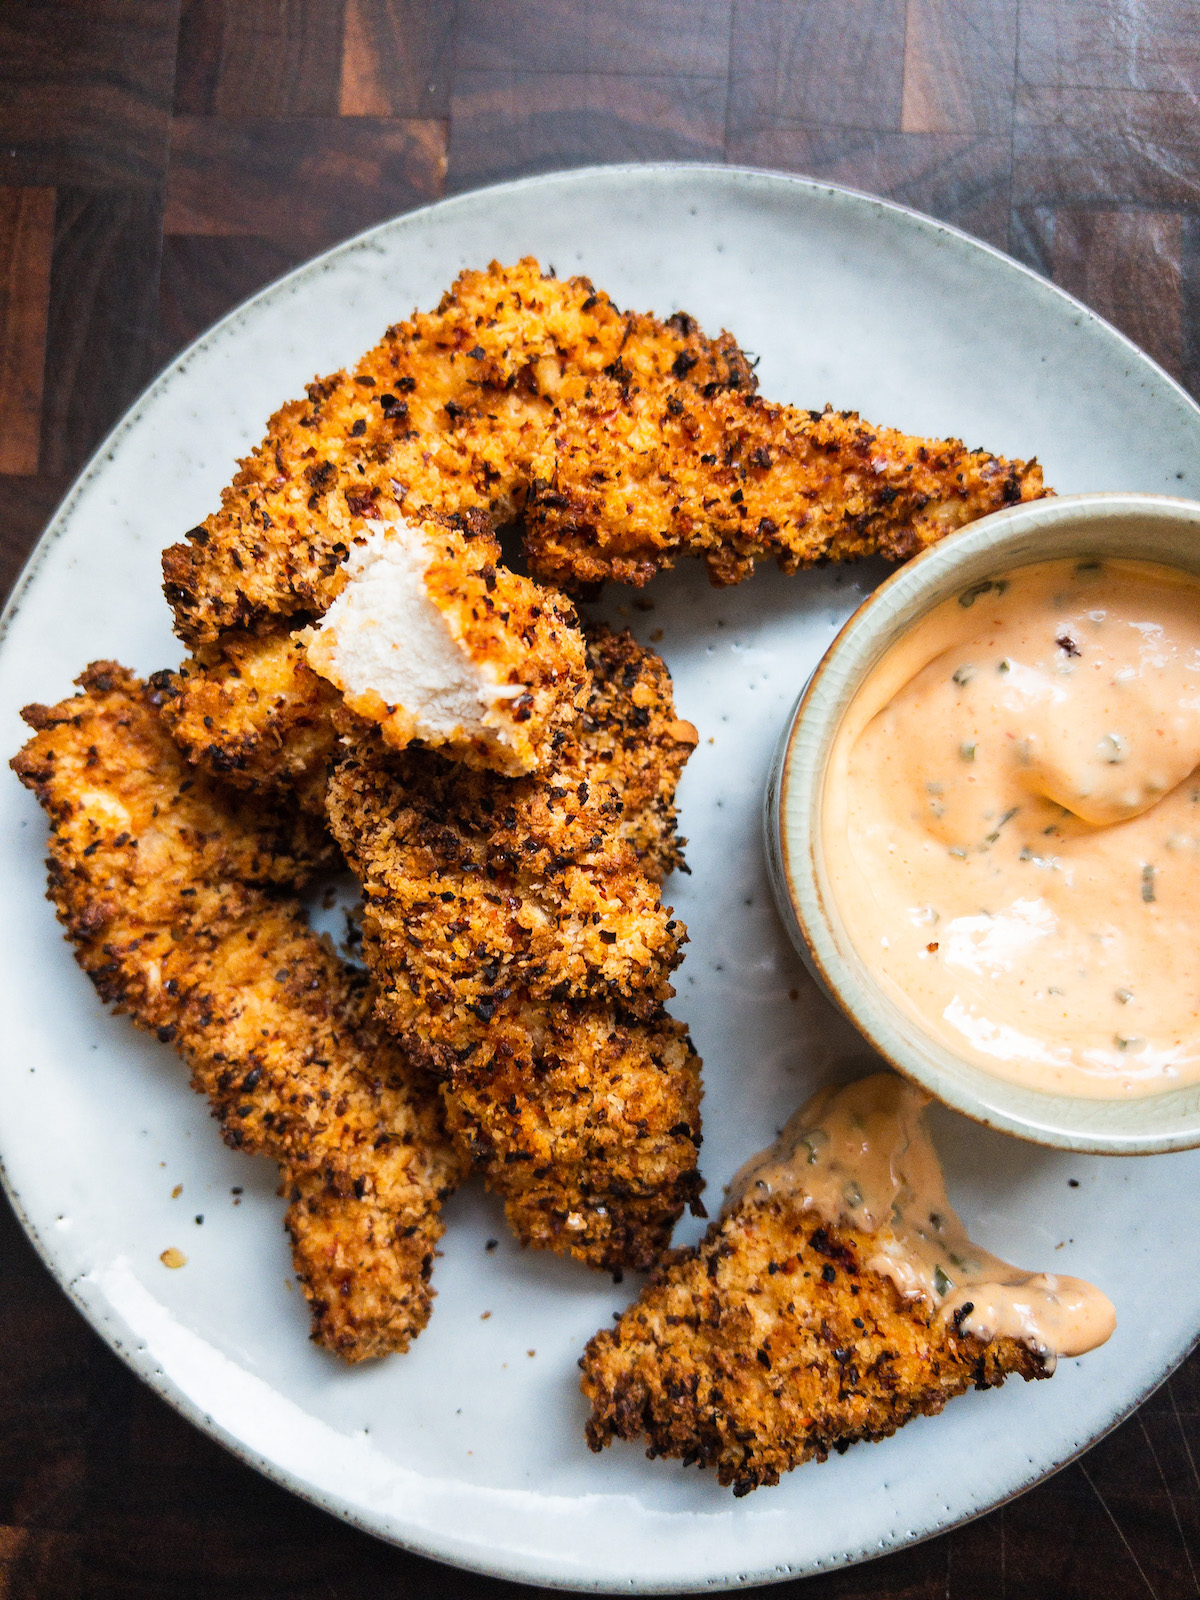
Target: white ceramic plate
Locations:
point(470, 1448)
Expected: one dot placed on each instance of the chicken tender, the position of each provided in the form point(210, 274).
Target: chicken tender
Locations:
point(174, 894)
point(437, 642)
point(477, 888)
point(633, 477)
point(772, 1343)
point(443, 414)
point(837, 1296)
point(523, 955)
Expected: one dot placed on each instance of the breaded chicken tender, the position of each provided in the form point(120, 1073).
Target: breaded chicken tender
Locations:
point(633, 477)
point(441, 645)
point(444, 414)
point(522, 953)
point(174, 894)
point(837, 1296)
point(772, 1343)
point(641, 439)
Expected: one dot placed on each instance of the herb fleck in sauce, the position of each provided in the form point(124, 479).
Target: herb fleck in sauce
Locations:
point(1060, 702)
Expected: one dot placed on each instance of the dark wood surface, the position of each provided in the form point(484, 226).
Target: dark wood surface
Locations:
point(161, 159)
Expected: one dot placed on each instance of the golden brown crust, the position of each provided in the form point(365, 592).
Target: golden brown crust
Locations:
point(771, 1343)
point(171, 891)
point(523, 955)
point(443, 413)
point(587, 1123)
point(631, 735)
point(634, 477)
point(251, 711)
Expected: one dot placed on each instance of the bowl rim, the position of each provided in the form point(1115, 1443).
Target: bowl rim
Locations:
point(792, 811)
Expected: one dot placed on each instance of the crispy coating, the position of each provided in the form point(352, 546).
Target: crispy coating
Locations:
point(642, 440)
point(443, 414)
point(173, 893)
point(478, 887)
point(523, 955)
point(585, 1121)
point(771, 1343)
point(250, 710)
point(512, 631)
point(633, 477)
point(631, 734)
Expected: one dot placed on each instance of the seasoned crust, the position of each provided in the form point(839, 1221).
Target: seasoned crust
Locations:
point(444, 412)
point(478, 887)
point(173, 892)
point(631, 734)
point(251, 711)
point(633, 477)
point(770, 1344)
point(521, 952)
point(586, 1122)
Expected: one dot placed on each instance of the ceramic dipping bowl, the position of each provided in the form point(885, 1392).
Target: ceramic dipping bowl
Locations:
point(1135, 526)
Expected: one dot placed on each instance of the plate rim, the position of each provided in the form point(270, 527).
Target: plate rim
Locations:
point(106, 1322)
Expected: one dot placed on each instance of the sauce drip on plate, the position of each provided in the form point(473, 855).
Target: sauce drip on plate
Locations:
point(861, 1156)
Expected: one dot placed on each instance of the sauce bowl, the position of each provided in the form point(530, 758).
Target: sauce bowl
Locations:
point(1134, 526)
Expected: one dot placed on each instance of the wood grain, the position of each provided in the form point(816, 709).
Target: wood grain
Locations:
point(100, 339)
point(1093, 44)
point(259, 58)
point(960, 61)
point(505, 123)
point(652, 38)
point(33, 1563)
point(26, 246)
point(397, 57)
point(1127, 266)
point(203, 276)
point(85, 90)
point(303, 182)
point(802, 66)
point(956, 177)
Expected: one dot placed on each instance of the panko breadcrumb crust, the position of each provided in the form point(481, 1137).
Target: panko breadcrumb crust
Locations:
point(772, 1343)
point(250, 711)
point(516, 630)
point(623, 440)
point(632, 477)
point(521, 950)
point(175, 896)
point(443, 414)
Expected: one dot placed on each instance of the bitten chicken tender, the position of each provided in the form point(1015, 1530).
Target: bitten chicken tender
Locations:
point(772, 1343)
point(523, 955)
point(641, 439)
point(437, 642)
point(633, 477)
point(444, 414)
point(174, 895)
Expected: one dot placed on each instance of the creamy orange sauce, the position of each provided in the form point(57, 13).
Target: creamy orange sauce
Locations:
point(1012, 826)
point(861, 1156)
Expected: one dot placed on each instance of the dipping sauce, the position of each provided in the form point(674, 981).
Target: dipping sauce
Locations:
point(1012, 826)
point(861, 1156)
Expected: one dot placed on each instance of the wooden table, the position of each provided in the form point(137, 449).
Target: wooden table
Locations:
point(159, 161)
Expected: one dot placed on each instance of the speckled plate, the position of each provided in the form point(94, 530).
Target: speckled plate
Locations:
point(470, 1448)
